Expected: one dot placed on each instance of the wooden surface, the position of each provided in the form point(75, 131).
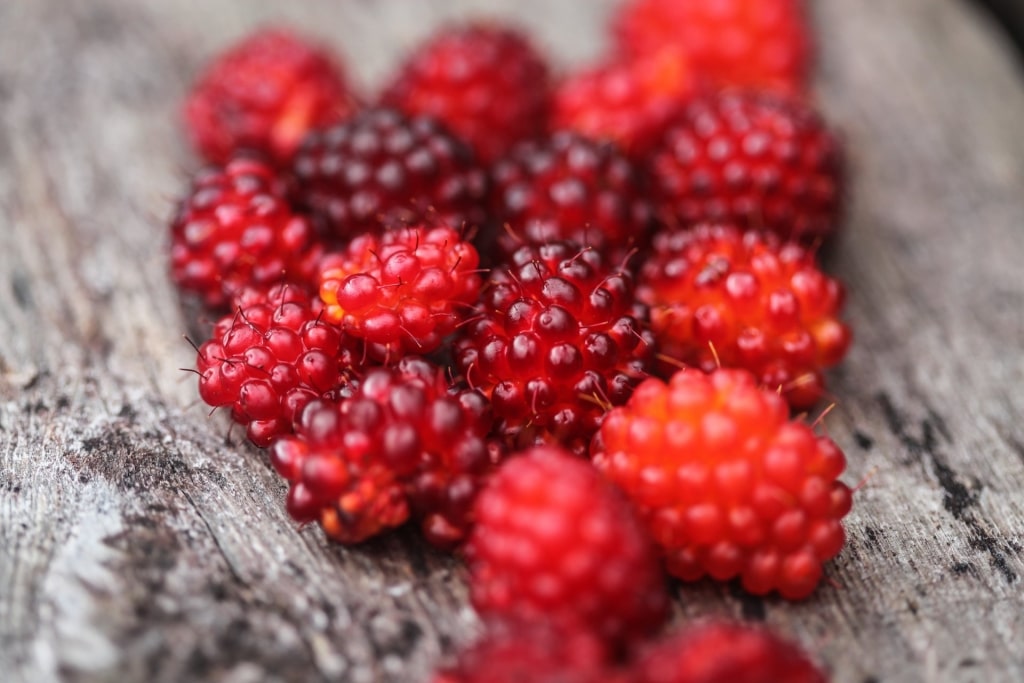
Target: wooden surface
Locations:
point(139, 543)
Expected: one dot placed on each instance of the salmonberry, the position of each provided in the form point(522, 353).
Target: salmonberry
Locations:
point(754, 159)
point(265, 94)
point(724, 652)
point(761, 44)
point(558, 336)
point(235, 229)
point(400, 440)
point(532, 652)
point(555, 542)
point(727, 485)
point(270, 358)
point(722, 297)
point(628, 102)
point(382, 169)
point(568, 187)
point(403, 291)
point(487, 83)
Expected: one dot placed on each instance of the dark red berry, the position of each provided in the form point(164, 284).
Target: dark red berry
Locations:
point(568, 187)
point(401, 440)
point(382, 169)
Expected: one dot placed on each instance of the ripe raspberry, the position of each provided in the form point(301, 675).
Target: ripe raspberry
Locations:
point(629, 103)
point(759, 44)
point(753, 159)
point(400, 436)
point(270, 358)
point(725, 483)
point(487, 83)
point(235, 229)
point(264, 94)
point(401, 291)
point(554, 542)
point(763, 305)
point(532, 653)
point(558, 336)
point(722, 652)
point(568, 187)
point(381, 169)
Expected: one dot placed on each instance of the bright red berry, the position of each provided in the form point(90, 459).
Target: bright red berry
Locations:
point(265, 94)
point(554, 542)
point(627, 102)
point(754, 159)
point(403, 291)
point(532, 652)
point(723, 652)
point(720, 297)
point(726, 484)
point(381, 169)
point(568, 187)
point(761, 44)
point(487, 83)
point(401, 439)
point(235, 229)
point(270, 358)
point(558, 336)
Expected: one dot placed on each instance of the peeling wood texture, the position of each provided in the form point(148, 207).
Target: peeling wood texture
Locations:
point(139, 543)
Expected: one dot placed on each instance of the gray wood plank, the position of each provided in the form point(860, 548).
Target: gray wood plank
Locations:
point(140, 542)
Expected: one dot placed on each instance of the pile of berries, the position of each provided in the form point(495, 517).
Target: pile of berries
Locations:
point(567, 326)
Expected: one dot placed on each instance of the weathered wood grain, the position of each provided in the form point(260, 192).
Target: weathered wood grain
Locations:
point(139, 542)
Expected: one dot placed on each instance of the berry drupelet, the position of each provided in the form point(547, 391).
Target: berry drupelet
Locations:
point(757, 44)
point(403, 291)
point(383, 169)
point(236, 229)
point(726, 484)
point(754, 159)
point(555, 543)
point(557, 337)
point(264, 94)
point(721, 297)
point(270, 358)
point(399, 441)
point(568, 187)
point(487, 83)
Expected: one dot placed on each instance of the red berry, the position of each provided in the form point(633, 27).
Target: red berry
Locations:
point(753, 159)
point(568, 187)
point(727, 486)
point(557, 337)
point(487, 83)
point(722, 652)
point(629, 102)
point(264, 94)
point(381, 169)
point(760, 44)
point(235, 229)
point(554, 542)
point(722, 297)
point(270, 358)
point(400, 437)
point(532, 653)
point(402, 292)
